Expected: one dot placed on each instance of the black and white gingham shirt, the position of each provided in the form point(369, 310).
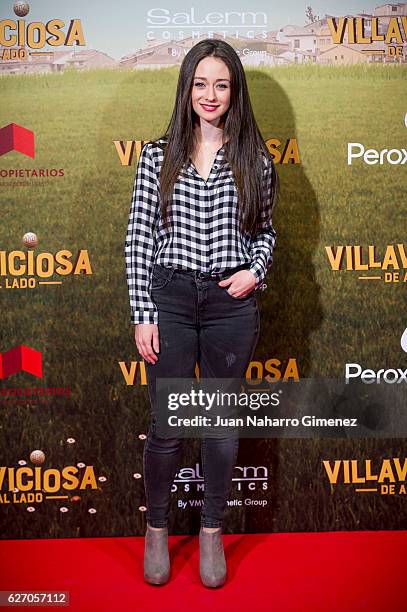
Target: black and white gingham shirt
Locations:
point(206, 235)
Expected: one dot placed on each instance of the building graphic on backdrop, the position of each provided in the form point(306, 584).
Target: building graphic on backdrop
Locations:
point(376, 37)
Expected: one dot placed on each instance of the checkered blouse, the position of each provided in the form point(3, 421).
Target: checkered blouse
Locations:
point(206, 234)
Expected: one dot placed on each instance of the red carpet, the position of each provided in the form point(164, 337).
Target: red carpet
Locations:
point(318, 572)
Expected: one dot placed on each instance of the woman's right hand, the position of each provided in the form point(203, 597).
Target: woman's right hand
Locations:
point(147, 339)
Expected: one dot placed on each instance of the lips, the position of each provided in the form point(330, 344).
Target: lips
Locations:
point(209, 107)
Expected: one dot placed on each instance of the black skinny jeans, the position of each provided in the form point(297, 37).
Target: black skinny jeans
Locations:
point(199, 321)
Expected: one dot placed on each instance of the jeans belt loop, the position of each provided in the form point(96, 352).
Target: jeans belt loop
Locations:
point(216, 275)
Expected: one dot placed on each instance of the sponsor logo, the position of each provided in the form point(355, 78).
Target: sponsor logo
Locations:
point(388, 264)
point(21, 359)
point(14, 137)
point(359, 30)
point(128, 151)
point(373, 157)
point(35, 485)
point(390, 376)
point(248, 477)
point(27, 269)
point(20, 39)
point(386, 477)
point(167, 25)
point(272, 370)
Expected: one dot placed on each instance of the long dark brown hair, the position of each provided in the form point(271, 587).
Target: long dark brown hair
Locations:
point(242, 139)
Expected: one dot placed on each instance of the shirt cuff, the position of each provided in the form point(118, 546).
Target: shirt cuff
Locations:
point(259, 273)
point(144, 316)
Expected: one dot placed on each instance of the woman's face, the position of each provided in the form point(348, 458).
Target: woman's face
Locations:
point(211, 89)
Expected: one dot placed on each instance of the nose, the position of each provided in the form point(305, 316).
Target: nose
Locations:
point(211, 94)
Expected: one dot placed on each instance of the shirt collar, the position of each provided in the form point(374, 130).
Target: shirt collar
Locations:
point(218, 161)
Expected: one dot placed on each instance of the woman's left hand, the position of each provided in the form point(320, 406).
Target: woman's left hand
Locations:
point(241, 283)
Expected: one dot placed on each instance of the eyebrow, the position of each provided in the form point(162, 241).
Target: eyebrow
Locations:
point(205, 79)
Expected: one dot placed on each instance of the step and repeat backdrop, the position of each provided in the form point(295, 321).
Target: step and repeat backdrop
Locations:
point(83, 87)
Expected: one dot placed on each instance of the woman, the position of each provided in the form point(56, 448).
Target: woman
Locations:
point(199, 242)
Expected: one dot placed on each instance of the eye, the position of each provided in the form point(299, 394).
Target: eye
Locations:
point(197, 84)
point(223, 85)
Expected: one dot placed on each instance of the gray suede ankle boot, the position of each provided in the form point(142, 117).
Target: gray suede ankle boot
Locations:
point(156, 557)
point(212, 563)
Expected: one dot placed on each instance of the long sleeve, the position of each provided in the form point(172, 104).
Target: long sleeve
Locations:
point(139, 246)
point(263, 243)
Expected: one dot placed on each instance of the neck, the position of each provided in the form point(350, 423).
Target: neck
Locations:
point(208, 134)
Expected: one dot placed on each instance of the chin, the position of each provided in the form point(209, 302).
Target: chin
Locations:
point(208, 116)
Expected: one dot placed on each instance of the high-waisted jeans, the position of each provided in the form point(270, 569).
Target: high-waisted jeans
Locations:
point(199, 321)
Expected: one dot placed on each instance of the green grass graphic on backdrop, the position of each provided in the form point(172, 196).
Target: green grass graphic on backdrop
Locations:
point(321, 318)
